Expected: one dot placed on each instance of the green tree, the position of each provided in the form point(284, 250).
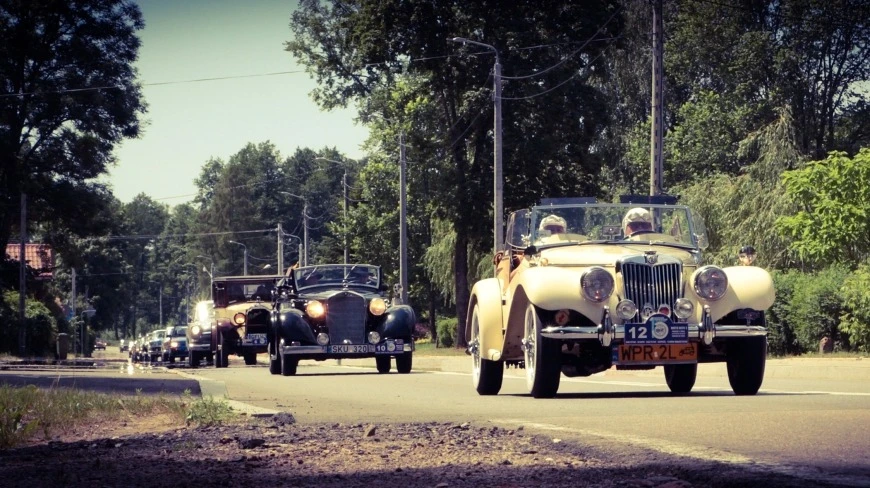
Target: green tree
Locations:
point(552, 113)
point(833, 220)
point(69, 96)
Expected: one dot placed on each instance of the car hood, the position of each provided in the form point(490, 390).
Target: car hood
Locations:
point(324, 294)
point(608, 254)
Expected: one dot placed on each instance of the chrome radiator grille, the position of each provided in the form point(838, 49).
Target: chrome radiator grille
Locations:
point(653, 285)
point(346, 318)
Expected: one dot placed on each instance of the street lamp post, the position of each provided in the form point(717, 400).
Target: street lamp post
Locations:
point(245, 269)
point(498, 184)
point(344, 188)
point(304, 257)
point(210, 275)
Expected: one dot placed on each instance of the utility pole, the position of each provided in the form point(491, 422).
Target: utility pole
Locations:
point(498, 184)
point(305, 236)
point(72, 307)
point(280, 249)
point(22, 278)
point(657, 131)
point(498, 187)
point(344, 186)
point(403, 223)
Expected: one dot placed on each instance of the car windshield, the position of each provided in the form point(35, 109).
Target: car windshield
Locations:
point(567, 223)
point(248, 291)
point(363, 275)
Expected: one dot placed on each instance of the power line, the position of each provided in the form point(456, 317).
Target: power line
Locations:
point(160, 83)
point(132, 237)
point(554, 87)
point(566, 58)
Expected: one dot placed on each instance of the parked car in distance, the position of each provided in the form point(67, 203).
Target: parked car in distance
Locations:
point(242, 308)
point(199, 333)
point(583, 286)
point(100, 344)
point(175, 344)
point(336, 311)
point(155, 344)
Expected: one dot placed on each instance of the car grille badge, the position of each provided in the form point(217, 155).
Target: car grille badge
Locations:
point(651, 257)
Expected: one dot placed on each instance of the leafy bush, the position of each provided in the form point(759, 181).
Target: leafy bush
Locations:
point(446, 327)
point(40, 324)
point(856, 302)
point(421, 332)
point(209, 411)
point(808, 307)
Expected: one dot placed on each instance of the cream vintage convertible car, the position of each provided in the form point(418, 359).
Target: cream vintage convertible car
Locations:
point(583, 286)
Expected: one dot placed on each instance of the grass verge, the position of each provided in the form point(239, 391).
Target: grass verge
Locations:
point(429, 349)
point(26, 413)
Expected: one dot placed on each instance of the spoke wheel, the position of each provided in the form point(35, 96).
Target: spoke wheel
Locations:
point(404, 362)
point(681, 377)
point(745, 360)
point(485, 374)
point(383, 364)
point(542, 357)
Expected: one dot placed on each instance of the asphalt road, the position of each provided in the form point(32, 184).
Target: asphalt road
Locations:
point(817, 428)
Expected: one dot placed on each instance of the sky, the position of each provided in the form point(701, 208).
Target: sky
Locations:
point(190, 122)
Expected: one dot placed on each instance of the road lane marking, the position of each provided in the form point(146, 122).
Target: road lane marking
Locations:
point(702, 453)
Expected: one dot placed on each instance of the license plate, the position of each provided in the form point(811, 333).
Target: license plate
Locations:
point(390, 347)
point(350, 349)
point(655, 354)
point(255, 339)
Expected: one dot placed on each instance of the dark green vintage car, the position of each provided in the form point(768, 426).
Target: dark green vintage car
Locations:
point(336, 311)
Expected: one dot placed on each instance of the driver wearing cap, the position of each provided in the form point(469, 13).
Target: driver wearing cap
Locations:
point(637, 221)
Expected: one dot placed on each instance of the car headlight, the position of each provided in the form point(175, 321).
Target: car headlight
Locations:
point(711, 283)
point(315, 309)
point(377, 306)
point(239, 318)
point(173, 344)
point(597, 284)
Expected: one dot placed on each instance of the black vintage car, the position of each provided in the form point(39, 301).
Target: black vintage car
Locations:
point(338, 311)
point(243, 311)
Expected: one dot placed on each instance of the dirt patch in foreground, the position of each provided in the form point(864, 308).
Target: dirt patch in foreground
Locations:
point(279, 452)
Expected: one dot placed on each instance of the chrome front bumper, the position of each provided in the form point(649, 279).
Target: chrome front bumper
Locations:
point(607, 331)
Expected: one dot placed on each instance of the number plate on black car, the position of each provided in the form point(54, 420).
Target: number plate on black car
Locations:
point(350, 349)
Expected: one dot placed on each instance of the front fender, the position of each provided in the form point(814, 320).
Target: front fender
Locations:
point(399, 323)
point(554, 288)
point(748, 287)
point(486, 296)
point(291, 326)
